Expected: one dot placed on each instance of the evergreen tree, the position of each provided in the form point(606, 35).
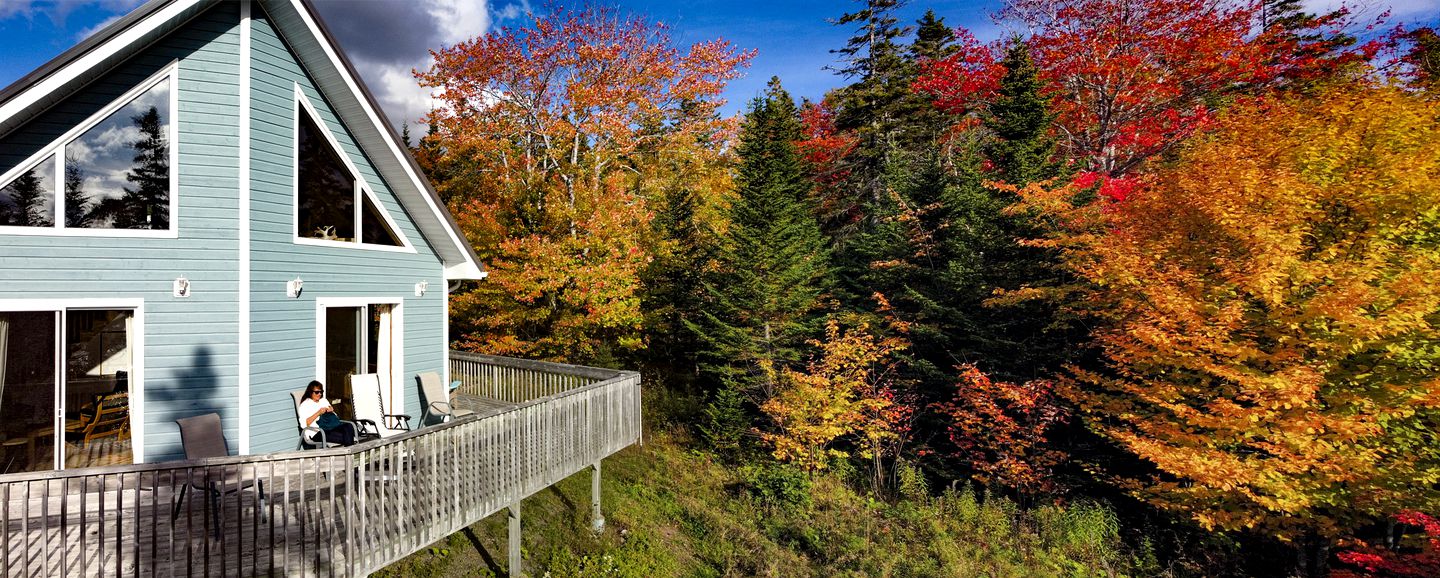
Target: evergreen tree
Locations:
point(772, 265)
point(28, 195)
point(871, 108)
point(1021, 149)
point(147, 205)
point(674, 290)
point(78, 212)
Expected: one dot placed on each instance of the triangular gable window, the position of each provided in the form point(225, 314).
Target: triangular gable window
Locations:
point(332, 205)
point(115, 171)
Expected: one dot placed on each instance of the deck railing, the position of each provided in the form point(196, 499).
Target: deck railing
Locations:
point(336, 512)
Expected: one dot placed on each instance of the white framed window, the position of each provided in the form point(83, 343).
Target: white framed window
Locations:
point(112, 175)
point(71, 383)
point(333, 206)
point(361, 335)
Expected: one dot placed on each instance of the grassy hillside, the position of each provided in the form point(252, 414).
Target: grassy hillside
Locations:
point(674, 511)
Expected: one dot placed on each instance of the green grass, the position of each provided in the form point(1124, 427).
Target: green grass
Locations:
point(674, 511)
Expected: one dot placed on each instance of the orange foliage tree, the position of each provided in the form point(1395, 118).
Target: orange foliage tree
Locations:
point(1002, 430)
point(1271, 316)
point(557, 138)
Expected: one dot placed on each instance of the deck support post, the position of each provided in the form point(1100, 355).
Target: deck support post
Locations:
point(597, 520)
point(514, 543)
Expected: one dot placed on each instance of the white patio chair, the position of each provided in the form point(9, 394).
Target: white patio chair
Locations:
point(437, 399)
point(365, 390)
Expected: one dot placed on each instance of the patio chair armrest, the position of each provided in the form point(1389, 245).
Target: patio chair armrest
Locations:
point(360, 424)
point(307, 439)
point(440, 407)
point(397, 421)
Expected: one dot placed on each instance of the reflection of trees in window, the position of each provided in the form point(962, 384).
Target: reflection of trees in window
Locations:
point(147, 204)
point(27, 201)
point(327, 192)
point(77, 202)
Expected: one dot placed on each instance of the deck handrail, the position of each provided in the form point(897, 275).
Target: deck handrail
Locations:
point(358, 508)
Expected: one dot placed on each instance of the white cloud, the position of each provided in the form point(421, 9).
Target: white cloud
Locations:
point(512, 11)
point(83, 34)
point(58, 10)
point(459, 20)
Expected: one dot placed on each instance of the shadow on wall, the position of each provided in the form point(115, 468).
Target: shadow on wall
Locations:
point(194, 391)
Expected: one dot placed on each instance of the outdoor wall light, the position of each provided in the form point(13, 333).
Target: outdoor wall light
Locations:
point(181, 288)
point(421, 288)
point(293, 288)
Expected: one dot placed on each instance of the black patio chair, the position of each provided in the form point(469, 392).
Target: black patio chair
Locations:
point(203, 438)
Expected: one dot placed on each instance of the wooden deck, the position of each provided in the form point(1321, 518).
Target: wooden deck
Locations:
point(337, 512)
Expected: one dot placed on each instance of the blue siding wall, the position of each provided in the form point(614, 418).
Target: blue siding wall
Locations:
point(191, 351)
point(283, 332)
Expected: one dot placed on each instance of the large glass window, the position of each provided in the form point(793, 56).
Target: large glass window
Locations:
point(331, 203)
point(116, 173)
point(90, 394)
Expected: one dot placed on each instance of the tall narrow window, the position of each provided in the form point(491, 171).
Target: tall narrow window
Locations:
point(115, 170)
point(327, 192)
point(27, 390)
point(331, 203)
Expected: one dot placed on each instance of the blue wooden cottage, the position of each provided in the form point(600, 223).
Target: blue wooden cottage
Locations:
point(203, 209)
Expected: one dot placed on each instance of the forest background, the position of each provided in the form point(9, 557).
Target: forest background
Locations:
point(1171, 261)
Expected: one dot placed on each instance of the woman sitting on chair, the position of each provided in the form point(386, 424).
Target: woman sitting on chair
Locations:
point(317, 413)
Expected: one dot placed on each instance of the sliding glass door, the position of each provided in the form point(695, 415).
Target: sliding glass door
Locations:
point(65, 371)
point(357, 339)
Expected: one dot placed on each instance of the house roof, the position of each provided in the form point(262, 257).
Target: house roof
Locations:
point(318, 53)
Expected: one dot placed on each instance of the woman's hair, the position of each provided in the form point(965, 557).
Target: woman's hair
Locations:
point(314, 384)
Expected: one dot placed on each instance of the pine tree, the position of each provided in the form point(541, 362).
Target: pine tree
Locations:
point(772, 265)
point(1022, 149)
point(29, 196)
point(674, 291)
point(147, 206)
point(78, 211)
point(871, 108)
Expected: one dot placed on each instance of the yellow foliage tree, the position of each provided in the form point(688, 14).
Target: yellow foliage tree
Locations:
point(1272, 316)
point(842, 392)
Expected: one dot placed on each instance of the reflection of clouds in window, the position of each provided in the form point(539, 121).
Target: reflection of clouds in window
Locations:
point(122, 166)
point(28, 200)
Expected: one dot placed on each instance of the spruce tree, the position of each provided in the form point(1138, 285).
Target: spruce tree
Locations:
point(147, 205)
point(772, 267)
point(79, 214)
point(1021, 148)
point(28, 195)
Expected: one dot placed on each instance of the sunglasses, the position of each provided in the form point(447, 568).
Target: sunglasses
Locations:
point(316, 392)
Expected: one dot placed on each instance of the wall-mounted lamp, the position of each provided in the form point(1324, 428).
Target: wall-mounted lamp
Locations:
point(293, 288)
point(181, 288)
point(421, 288)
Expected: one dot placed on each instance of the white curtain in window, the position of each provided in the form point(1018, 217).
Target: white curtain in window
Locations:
point(4, 347)
point(385, 351)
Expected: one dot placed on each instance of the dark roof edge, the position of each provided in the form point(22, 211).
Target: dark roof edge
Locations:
point(389, 129)
point(90, 42)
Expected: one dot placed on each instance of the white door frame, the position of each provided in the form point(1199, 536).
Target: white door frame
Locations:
point(397, 341)
point(137, 363)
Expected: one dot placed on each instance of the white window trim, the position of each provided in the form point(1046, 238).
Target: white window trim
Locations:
point(303, 106)
point(170, 74)
point(137, 359)
point(397, 345)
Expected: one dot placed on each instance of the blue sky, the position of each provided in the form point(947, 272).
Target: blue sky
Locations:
point(388, 38)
